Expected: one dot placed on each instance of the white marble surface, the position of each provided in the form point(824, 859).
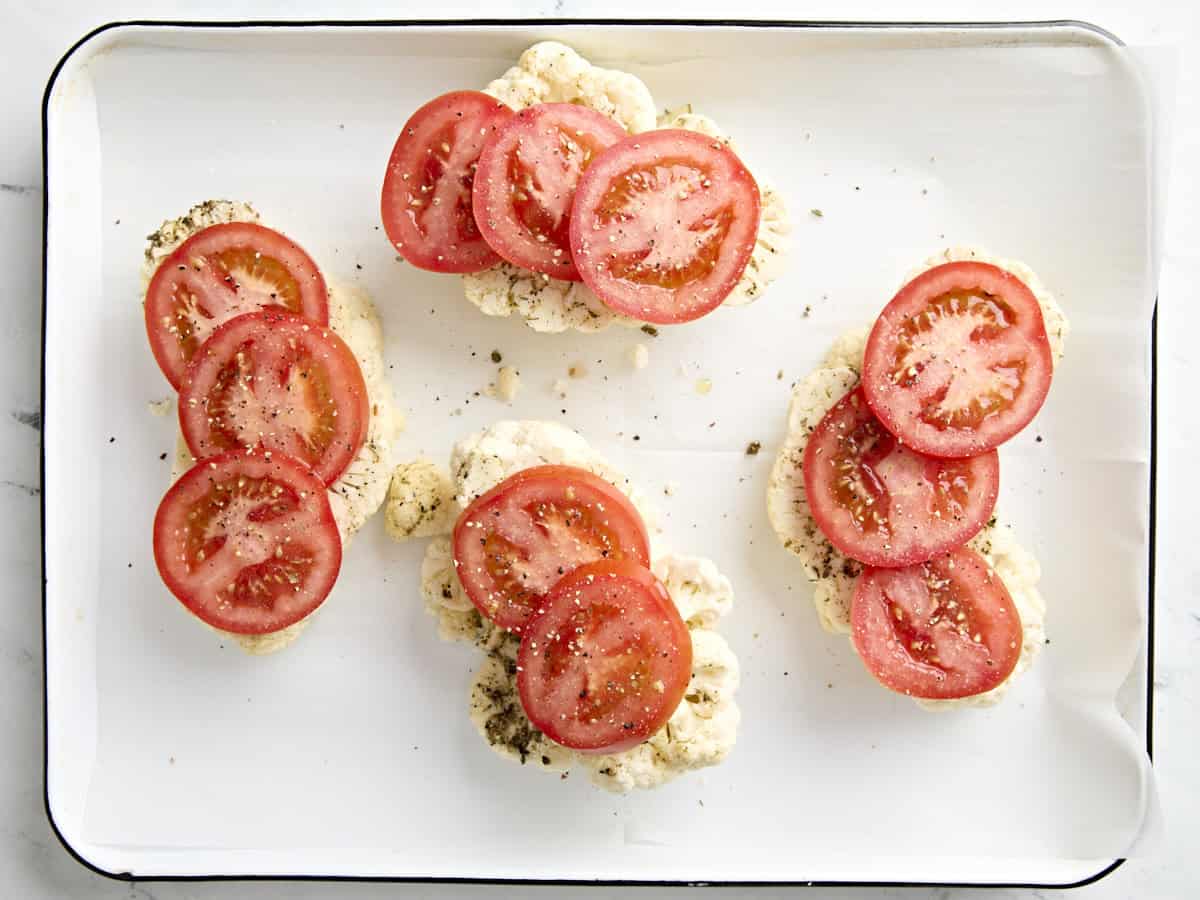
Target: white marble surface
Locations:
point(33, 865)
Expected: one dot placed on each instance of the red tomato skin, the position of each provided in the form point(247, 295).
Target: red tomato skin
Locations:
point(933, 536)
point(298, 475)
point(314, 293)
point(653, 303)
point(886, 398)
point(354, 413)
point(551, 617)
point(491, 193)
point(636, 543)
point(464, 251)
point(876, 633)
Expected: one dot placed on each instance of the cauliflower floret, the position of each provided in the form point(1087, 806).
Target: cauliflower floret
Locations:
point(361, 488)
point(846, 352)
point(420, 501)
point(701, 593)
point(832, 574)
point(770, 249)
point(264, 644)
point(702, 730)
point(1020, 572)
point(445, 599)
point(684, 117)
point(546, 304)
point(699, 733)
point(774, 225)
point(1057, 326)
point(174, 232)
point(496, 711)
point(481, 461)
point(550, 72)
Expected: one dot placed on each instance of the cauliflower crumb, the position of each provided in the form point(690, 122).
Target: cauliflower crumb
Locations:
point(560, 387)
point(162, 406)
point(508, 382)
point(506, 385)
point(639, 356)
point(420, 501)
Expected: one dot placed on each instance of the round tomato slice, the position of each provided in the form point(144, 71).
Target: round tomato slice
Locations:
point(222, 272)
point(514, 543)
point(526, 181)
point(884, 504)
point(280, 382)
point(248, 543)
point(663, 225)
point(958, 362)
point(607, 661)
point(426, 203)
point(939, 630)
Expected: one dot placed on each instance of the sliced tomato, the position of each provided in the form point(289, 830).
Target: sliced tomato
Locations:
point(884, 504)
point(222, 272)
point(526, 181)
point(939, 630)
point(958, 362)
point(280, 382)
point(663, 225)
point(248, 543)
point(426, 203)
point(607, 661)
point(516, 541)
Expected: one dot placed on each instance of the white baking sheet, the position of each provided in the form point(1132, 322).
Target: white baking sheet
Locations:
point(351, 753)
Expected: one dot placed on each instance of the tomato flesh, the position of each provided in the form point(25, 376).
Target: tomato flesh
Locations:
point(941, 630)
point(958, 362)
point(526, 181)
point(606, 662)
point(279, 382)
point(514, 543)
point(663, 225)
point(426, 200)
point(885, 504)
point(220, 273)
point(248, 543)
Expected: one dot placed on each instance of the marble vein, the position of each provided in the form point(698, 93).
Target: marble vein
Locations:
point(32, 418)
